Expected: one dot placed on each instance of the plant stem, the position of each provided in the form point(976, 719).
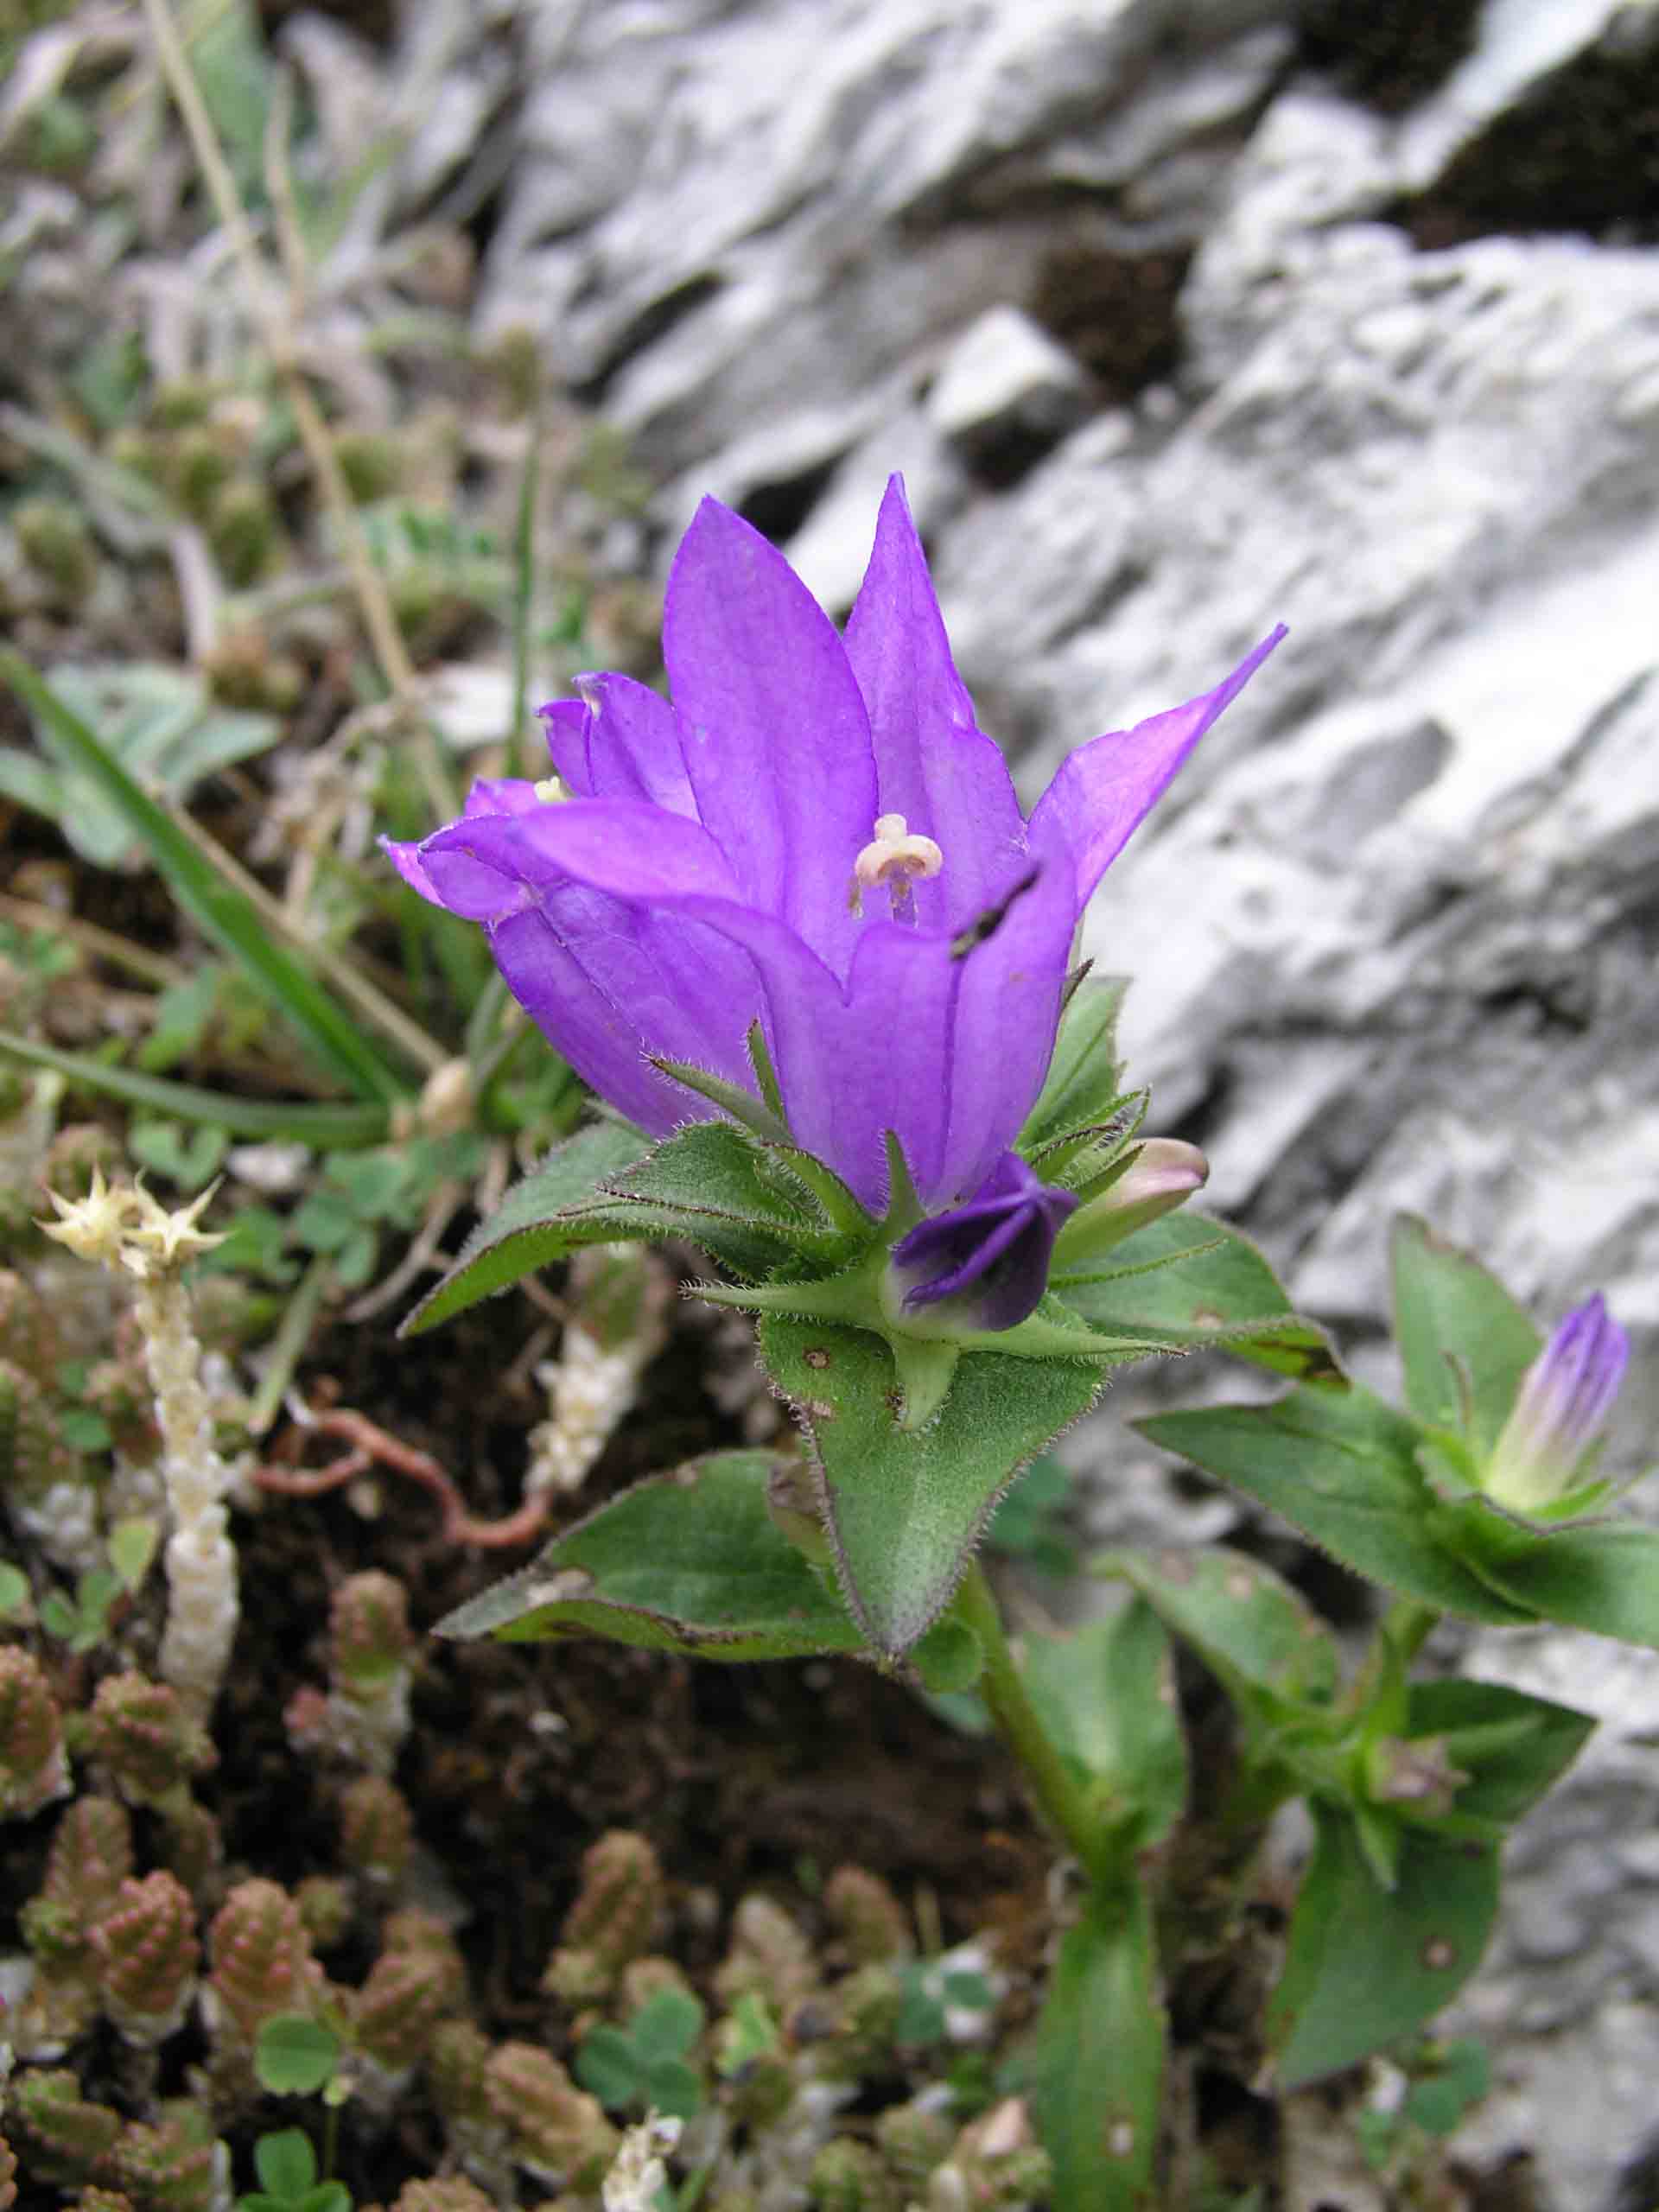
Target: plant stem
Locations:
point(1062, 1803)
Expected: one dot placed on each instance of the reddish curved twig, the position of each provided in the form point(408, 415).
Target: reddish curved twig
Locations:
point(371, 1446)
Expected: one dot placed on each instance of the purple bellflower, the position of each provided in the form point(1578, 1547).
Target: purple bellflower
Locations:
point(989, 1257)
point(812, 834)
point(1546, 1449)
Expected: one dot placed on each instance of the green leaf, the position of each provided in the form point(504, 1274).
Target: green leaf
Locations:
point(688, 1562)
point(608, 2067)
point(295, 2055)
point(242, 1117)
point(1029, 1524)
point(1461, 1336)
point(132, 1548)
point(1097, 2061)
point(1247, 1624)
point(160, 723)
point(749, 2032)
point(1366, 1966)
point(285, 2163)
point(1191, 1284)
point(1513, 1746)
point(666, 2024)
point(1106, 1697)
point(1341, 1465)
point(1438, 2102)
point(545, 1216)
point(950, 1658)
point(14, 1589)
point(673, 2087)
point(209, 895)
point(739, 1200)
point(1082, 1084)
point(1603, 1577)
point(906, 1507)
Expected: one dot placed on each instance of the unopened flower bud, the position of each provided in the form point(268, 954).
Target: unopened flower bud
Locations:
point(1163, 1173)
point(376, 1828)
point(262, 1962)
point(1415, 1773)
point(769, 1955)
point(169, 2168)
point(147, 1957)
point(558, 2132)
point(395, 2011)
point(457, 2065)
point(997, 2164)
point(451, 2193)
point(914, 2139)
point(147, 1739)
point(89, 1858)
point(872, 1922)
point(52, 538)
point(369, 1621)
point(423, 1935)
point(613, 1916)
point(242, 532)
point(33, 1770)
point(64, 2137)
point(849, 2176)
point(34, 1457)
point(8, 2176)
point(1547, 1447)
point(324, 1903)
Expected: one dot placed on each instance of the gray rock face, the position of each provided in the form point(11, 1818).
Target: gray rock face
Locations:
point(1394, 932)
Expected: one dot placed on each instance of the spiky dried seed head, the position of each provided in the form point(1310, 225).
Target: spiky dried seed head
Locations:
point(147, 1738)
point(557, 2131)
point(32, 1767)
point(872, 1923)
point(261, 1955)
point(376, 1829)
point(148, 1955)
point(368, 1626)
point(29, 1334)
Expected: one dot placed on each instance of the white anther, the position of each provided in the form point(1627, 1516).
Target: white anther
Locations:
point(552, 791)
point(895, 857)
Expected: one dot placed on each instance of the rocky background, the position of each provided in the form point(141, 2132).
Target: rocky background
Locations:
point(1181, 320)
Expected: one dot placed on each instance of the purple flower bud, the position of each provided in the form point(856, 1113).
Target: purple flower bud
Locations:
point(1549, 1442)
point(988, 1258)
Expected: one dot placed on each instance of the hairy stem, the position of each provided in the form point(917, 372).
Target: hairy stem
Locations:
point(1062, 1802)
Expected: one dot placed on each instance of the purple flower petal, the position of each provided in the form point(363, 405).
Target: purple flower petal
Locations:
point(933, 766)
point(566, 723)
point(608, 982)
point(1547, 1445)
point(1007, 1008)
point(1104, 790)
point(630, 744)
point(616, 845)
point(776, 740)
point(990, 1257)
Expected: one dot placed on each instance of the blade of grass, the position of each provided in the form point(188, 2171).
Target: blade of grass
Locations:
point(219, 907)
point(524, 584)
point(324, 1127)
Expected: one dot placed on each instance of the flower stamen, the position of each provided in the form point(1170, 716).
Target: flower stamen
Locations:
point(897, 857)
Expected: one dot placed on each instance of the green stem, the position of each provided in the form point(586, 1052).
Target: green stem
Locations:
point(1060, 1800)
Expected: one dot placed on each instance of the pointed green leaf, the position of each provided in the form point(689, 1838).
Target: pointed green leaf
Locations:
point(906, 1507)
point(1097, 2060)
point(545, 1215)
point(1247, 1624)
point(1106, 1696)
point(1459, 1331)
point(738, 1199)
point(1191, 1283)
point(1512, 1746)
point(1340, 1466)
point(708, 1183)
point(1082, 1083)
point(216, 904)
point(731, 1098)
point(1365, 1965)
point(689, 1562)
point(1603, 1577)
